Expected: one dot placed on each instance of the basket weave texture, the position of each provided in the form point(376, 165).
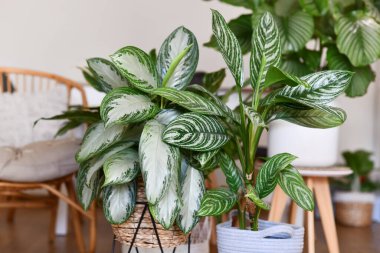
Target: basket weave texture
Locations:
point(146, 236)
point(354, 214)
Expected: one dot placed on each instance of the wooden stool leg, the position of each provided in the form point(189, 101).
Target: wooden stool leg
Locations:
point(10, 212)
point(293, 213)
point(323, 197)
point(11, 216)
point(310, 222)
point(92, 243)
point(75, 218)
point(278, 205)
point(53, 221)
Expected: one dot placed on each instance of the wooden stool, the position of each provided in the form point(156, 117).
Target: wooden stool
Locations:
point(317, 179)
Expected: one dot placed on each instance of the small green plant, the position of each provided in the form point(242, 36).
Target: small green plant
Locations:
point(318, 35)
point(361, 165)
point(275, 95)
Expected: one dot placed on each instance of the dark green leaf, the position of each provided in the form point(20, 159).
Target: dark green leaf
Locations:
point(213, 80)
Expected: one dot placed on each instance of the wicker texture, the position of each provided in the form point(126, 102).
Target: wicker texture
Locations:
point(354, 214)
point(146, 236)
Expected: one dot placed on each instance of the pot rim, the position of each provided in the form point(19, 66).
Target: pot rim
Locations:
point(354, 197)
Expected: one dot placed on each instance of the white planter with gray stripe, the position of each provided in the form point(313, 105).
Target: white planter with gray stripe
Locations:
point(271, 238)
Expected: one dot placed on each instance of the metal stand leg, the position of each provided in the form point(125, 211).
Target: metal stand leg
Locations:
point(155, 231)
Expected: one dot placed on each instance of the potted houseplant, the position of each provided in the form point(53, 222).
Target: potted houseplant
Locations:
point(354, 205)
point(143, 169)
point(276, 94)
point(315, 35)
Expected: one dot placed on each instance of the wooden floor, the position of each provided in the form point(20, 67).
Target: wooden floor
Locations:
point(28, 234)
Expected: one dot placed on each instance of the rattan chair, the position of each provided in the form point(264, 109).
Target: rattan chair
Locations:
point(13, 194)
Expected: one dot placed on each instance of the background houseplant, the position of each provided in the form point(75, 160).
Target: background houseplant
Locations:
point(354, 205)
point(276, 94)
point(316, 35)
point(341, 35)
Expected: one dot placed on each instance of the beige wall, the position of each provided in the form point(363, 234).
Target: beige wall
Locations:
point(58, 35)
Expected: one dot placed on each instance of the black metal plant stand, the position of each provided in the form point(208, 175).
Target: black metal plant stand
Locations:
point(155, 231)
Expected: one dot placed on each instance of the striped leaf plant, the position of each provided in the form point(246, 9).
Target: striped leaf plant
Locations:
point(315, 35)
point(275, 94)
point(153, 126)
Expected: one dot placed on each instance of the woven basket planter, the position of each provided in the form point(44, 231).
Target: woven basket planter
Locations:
point(354, 208)
point(146, 236)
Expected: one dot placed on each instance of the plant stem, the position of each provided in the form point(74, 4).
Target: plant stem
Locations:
point(241, 213)
point(255, 220)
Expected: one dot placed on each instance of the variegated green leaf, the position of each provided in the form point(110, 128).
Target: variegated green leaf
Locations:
point(106, 72)
point(122, 167)
point(93, 165)
point(195, 132)
point(278, 76)
point(216, 202)
point(191, 194)
point(228, 46)
point(233, 174)
point(166, 116)
point(266, 49)
point(98, 138)
point(242, 28)
point(167, 208)
point(320, 117)
point(119, 202)
point(189, 100)
point(291, 182)
point(315, 7)
point(254, 197)
point(295, 30)
point(268, 174)
point(253, 116)
point(204, 157)
point(158, 160)
point(358, 37)
point(324, 87)
point(126, 105)
point(179, 40)
point(209, 166)
point(86, 193)
point(137, 67)
point(227, 111)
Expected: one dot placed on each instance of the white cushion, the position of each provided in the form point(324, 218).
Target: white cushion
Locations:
point(39, 161)
point(20, 110)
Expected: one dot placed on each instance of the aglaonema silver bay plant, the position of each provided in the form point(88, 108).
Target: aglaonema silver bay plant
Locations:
point(275, 95)
point(156, 125)
point(152, 125)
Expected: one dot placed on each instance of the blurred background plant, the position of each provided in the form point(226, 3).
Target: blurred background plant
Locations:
point(318, 35)
point(361, 165)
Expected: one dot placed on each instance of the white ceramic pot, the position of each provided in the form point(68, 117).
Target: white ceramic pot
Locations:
point(271, 238)
point(313, 147)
